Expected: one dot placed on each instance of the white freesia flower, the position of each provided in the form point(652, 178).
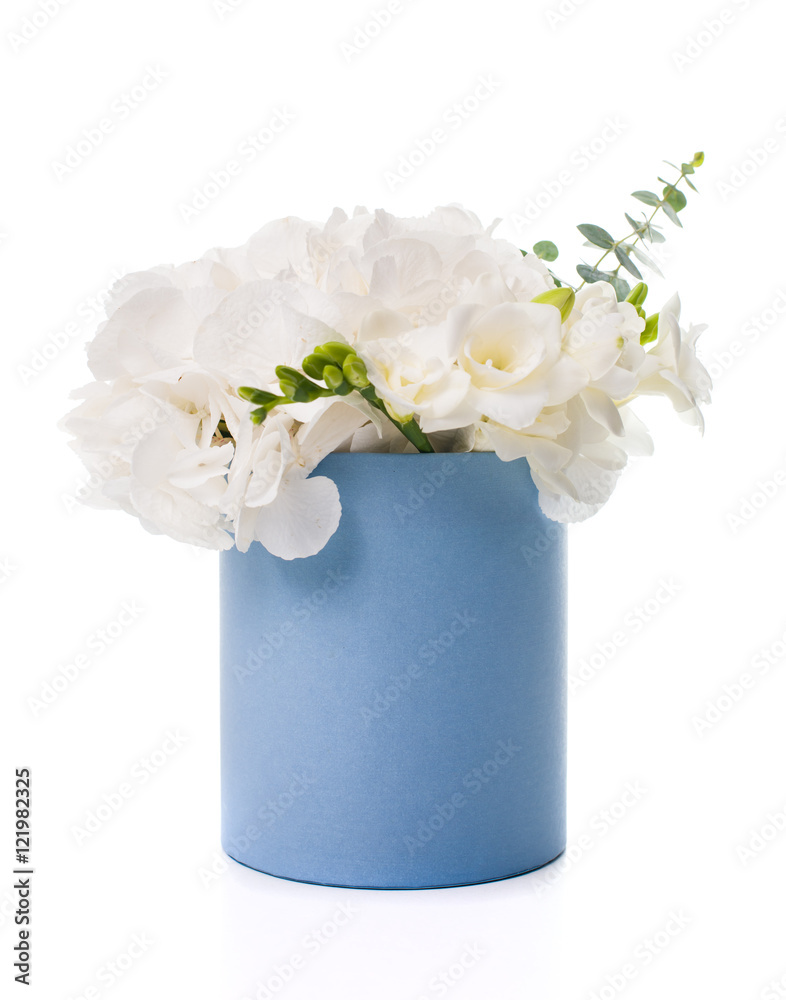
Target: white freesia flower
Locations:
point(512, 353)
point(440, 311)
point(413, 371)
point(604, 336)
point(672, 369)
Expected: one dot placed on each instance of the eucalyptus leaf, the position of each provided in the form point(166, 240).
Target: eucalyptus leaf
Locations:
point(620, 286)
point(691, 185)
point(546, 250)
point(698, 159)
point(597, 235)
point(648, 197)
point(624, 258)
point(592, 274)
point(671, 214)
point(635, 226)
point(645, 259)
point(675, 198)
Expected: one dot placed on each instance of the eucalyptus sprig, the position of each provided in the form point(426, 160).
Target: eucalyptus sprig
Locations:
point(343, 372)
point(670, 202)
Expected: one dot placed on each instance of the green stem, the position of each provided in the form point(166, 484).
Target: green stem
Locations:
point(410, 429)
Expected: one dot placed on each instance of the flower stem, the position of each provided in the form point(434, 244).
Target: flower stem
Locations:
point(409, 429)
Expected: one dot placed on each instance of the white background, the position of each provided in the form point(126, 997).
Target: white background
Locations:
point(672, 85)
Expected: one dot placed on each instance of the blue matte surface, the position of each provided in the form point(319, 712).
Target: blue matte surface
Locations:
point(365, 691)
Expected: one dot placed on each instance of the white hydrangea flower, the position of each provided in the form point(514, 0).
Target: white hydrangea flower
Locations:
point(441, 312)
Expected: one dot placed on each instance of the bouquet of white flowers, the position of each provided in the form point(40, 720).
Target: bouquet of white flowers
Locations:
point(221, 384)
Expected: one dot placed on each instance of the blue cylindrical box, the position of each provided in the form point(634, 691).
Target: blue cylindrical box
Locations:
point(393, 708)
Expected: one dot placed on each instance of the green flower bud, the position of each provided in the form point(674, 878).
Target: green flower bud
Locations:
point(257, 396)
point(637, 295)
point(314, 365)
point(650, 332)
point(355, 372)
point(334, 380)
point(334, 351)
point(561, 298)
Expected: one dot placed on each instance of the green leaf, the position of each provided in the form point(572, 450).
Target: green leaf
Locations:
point(592, 274)
point(620, 286)
point(256, 396)
point(546, 250)
point(654, 235)
point(675, 198)
point(698, 159)
point(691, 185)
point(648, 197)
point(671, 214)
point(687, 168)
point(635, 226)
point(650, 331)
point(596, 235)
point(624, 258)
point(645, 259)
